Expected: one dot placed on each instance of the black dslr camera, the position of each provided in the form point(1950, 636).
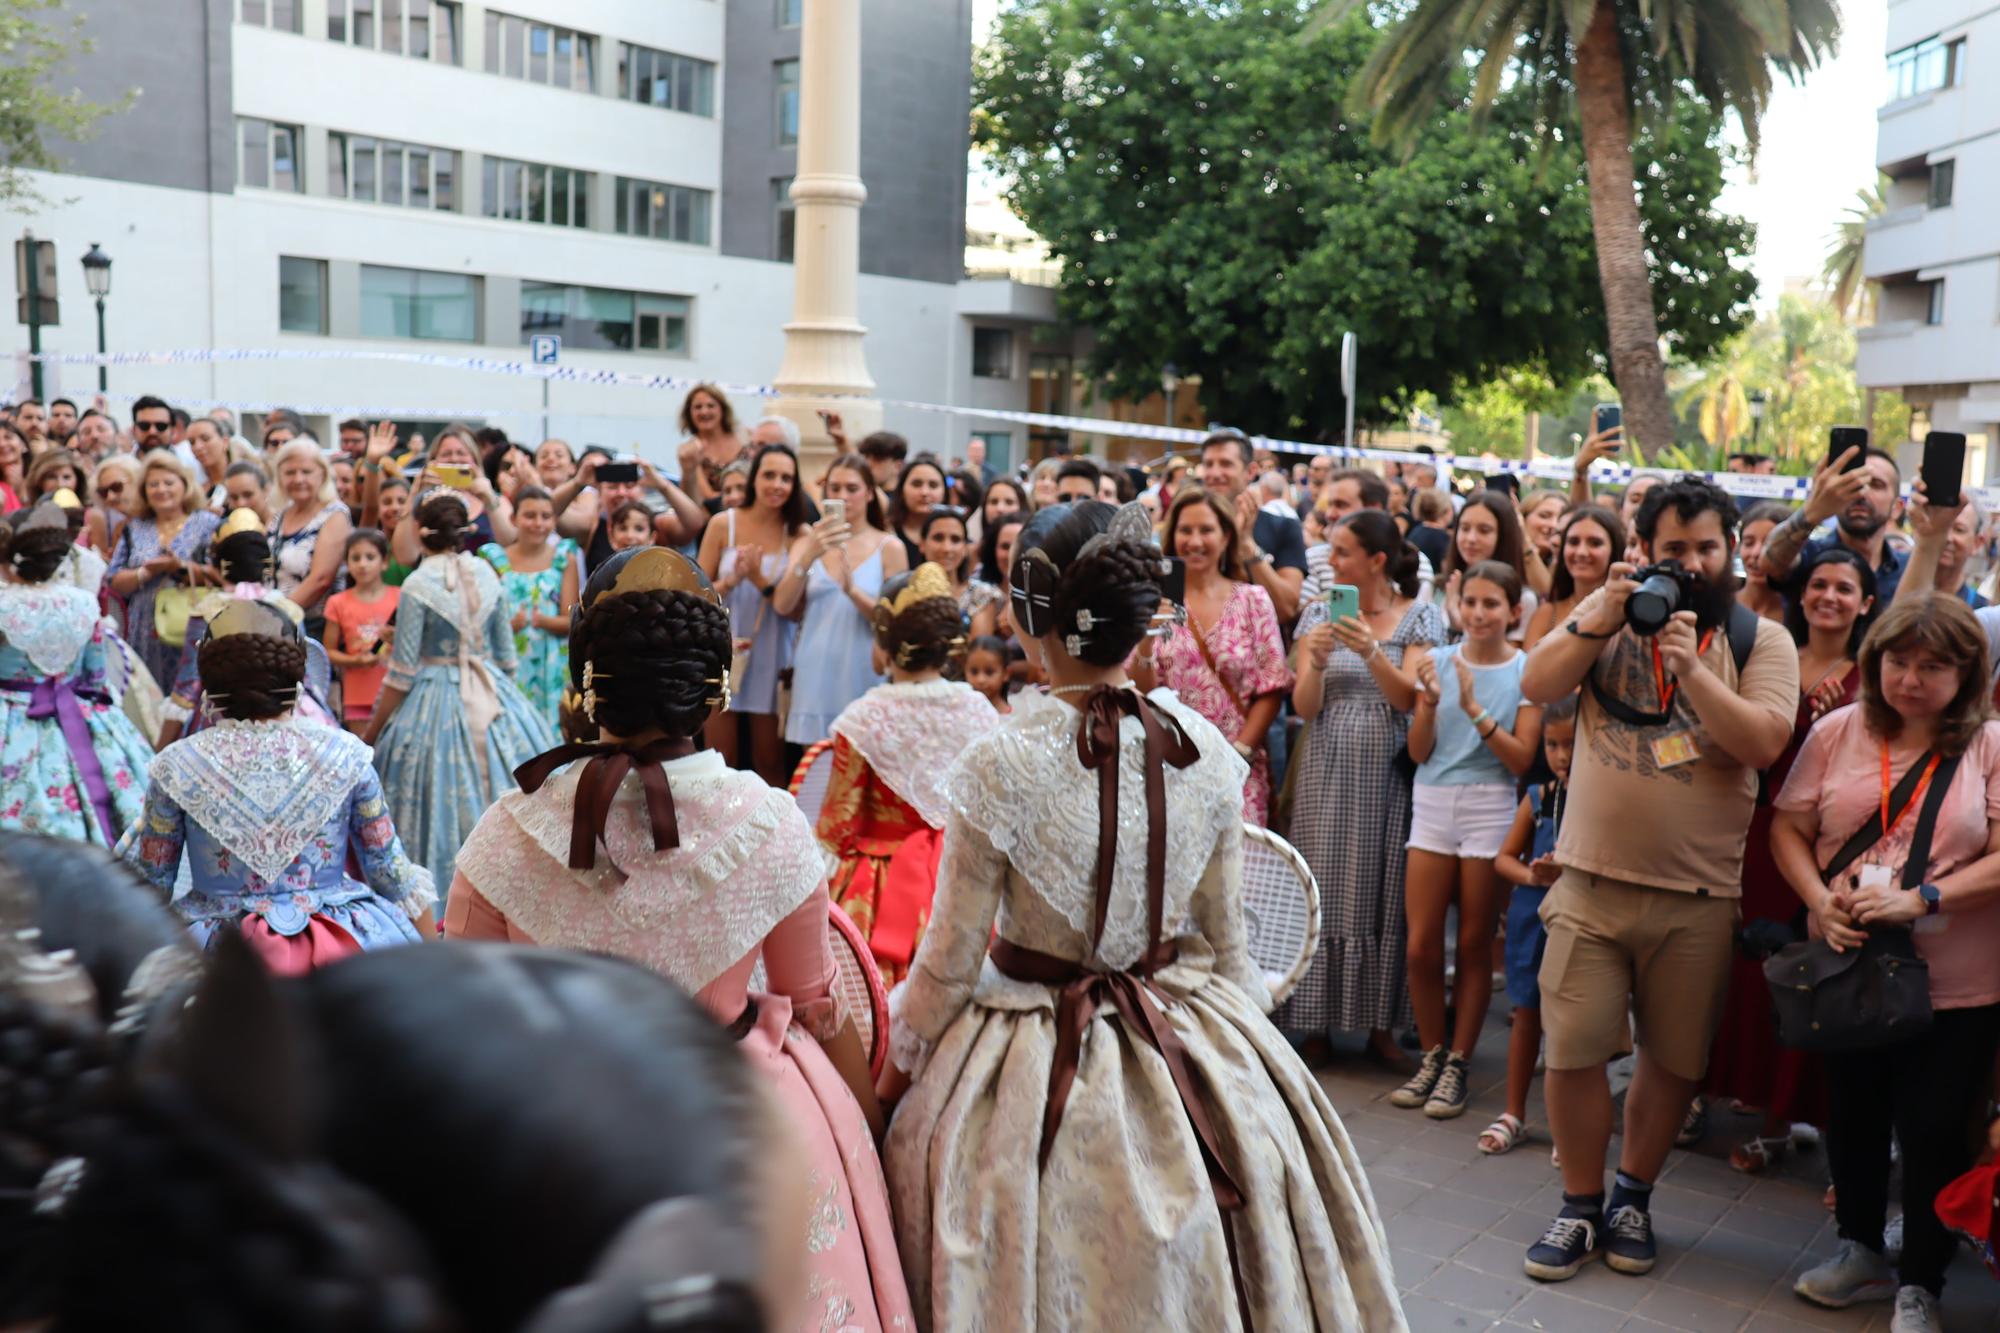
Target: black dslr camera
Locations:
point(1663, 589)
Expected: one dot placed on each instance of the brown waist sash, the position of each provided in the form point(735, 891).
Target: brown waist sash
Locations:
point(1132, 992)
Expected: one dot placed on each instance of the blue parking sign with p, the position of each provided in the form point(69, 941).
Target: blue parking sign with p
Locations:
point(544, 348)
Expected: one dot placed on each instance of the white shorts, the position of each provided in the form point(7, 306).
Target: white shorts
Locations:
point(1469, 821)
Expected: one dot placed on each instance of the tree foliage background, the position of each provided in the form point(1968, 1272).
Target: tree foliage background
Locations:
point(1191, 163)
point(34, 47)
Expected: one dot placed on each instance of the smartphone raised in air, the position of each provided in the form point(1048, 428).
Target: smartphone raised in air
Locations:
point(1606, 416)
point(1943, 467)
point(1174, 586)
point(1343, 602)
point(1842, 438)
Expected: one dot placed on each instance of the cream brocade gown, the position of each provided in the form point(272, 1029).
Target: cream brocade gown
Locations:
point(1120, 1230)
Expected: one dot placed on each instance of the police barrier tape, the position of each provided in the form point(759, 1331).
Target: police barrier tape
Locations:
point(1558, 470)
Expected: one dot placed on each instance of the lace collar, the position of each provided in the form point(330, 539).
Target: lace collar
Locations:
point(912, 734)
point(262, 789)
point(747, 860)
point(1024, 789)
point(457, 588)
point(48, 623)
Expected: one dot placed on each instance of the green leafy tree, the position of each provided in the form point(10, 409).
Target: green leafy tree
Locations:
point(1617, 64)
point(33, 50)
point(1843, 271)
point(1215, 207)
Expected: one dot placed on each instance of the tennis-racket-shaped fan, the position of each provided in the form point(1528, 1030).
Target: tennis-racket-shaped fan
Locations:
point(1280, 909)
point(857, 984)
point(811, 778)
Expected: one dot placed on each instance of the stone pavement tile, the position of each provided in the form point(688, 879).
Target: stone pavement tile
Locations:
point(1688, 1205)
point(1511, 1180)
point(1492, 1254)
point(1394, 1193)
point(1679, 1308)
point(1470, 1289)
point(1781, 1302)
point(1707, 1176)
point(1419, 1166)
point(1425, 1315)
point(1598, 1285)
point(1783, 1228)
point(1789, 1198)
point(1771, 1321)
point(1411, 1268)
point(1459, 1210)
point(1522, 1228)
point(1555, 1310)
point(1773, 1259)
point(1739, 1286)
point(1453, 1140)
point(1427, 1235)
point(1636, 1324)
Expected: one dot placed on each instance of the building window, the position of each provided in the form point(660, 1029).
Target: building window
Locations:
point(301, 295)
point(791, 13)
point(267, 155)
point(661, 78)
point(1934, 307)
point(993, 354)
point(415, 303)
point(787, 229)
point(523, 49)
point(1924, 67)
point(598, 318)
point(663, 212)
point(1941, 182)
point(280, 14)
point(530, 192)
point(420, 29)
point(379, 171)
point(787, 77)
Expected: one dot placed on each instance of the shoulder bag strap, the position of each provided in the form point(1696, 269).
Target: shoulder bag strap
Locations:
point(1914, 869)
point(1742, 635)
point(1208, 658)
point(1870, 832)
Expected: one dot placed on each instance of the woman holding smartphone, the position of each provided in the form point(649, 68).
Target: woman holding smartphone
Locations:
point(835, 573)
point(454, 464)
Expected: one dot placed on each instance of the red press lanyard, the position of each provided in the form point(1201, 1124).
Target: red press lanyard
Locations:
point(1667, 691)
point(1888, 824)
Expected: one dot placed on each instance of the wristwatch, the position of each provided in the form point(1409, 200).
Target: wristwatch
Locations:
point(1933, 900)
point(1258, 555)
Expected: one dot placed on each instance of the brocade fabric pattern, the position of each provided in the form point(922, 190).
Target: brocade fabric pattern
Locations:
point(911, 735)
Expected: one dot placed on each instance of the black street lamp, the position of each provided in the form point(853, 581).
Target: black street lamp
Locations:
point(1757, 400)
point(97, 278)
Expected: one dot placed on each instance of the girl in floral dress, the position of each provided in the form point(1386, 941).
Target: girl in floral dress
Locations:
point(885, 805)
point(540, 578)
point(72, 765)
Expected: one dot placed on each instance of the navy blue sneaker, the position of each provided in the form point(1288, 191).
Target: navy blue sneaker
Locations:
point(1568, 1244)
point(1630, 1247)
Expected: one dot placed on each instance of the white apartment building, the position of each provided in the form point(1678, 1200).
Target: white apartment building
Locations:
point(456, 176)
point(1936, 250)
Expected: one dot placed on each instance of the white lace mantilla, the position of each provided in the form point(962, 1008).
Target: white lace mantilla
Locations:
point(912, 734)
point(49, 623)
point(1023, 787)
point(440, 585)
point(263, 789)
point(747, 860)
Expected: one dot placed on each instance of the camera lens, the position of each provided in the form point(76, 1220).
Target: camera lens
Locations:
point(1653, 602)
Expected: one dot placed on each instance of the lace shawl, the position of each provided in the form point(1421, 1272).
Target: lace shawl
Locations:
point(48, 623)
point(1024, 789)
point(263, 789)
point(747, 860)
point(912, 734)
point(461, 589)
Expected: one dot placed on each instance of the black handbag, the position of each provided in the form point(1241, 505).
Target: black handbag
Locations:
point(1879, 994)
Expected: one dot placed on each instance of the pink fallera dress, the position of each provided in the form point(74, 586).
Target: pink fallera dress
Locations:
point(748, 881)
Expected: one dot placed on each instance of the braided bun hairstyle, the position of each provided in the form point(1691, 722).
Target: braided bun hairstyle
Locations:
point(1117, 583)
point(245, 557)
point(442, 522)
point(653, 655)
point(34, 552)
point(926, 635)
point(251, 677)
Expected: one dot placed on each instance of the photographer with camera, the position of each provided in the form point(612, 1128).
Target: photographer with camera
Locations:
point(1685, 696)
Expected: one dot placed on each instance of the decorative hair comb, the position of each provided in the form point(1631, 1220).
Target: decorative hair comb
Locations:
point(926, 582)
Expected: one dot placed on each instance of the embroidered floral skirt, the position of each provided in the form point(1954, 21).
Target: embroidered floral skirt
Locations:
point(41, 787)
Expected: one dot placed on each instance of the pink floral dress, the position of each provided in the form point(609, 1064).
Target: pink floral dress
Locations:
point(1248, 656)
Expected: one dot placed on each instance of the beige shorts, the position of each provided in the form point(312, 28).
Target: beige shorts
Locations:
point(1665, 953)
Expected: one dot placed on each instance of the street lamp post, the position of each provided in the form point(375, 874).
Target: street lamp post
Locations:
point(1757, 400)
point(97, 278)
point(1170, 384)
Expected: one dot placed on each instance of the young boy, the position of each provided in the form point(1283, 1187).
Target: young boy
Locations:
point(1527, 861)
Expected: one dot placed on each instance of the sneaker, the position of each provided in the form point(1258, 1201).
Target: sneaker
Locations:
point(1630, 1248)
point(1568, 1244)
point(1418, 1090)
point(1449, 1097)
point(1916, 1312)
point(1693, 1125)
point(1854, 1275)
point(1892, 1240)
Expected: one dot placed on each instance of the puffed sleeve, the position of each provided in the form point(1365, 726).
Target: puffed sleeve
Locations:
point(385, 867)
point(798, 964)
point(971, 877)
point(408, 652)
point(846, 789)
point(500, 634)
point(1217, 907)
point(156, 852)
point(186, 692)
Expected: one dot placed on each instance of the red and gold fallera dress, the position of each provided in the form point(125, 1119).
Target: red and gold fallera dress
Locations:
point(885, 806)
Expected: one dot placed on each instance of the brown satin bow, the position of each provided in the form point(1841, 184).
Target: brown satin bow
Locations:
point(1097, 747)
point(606, 767)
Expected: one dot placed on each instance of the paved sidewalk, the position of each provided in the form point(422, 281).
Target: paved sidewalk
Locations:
point(1730, 1244)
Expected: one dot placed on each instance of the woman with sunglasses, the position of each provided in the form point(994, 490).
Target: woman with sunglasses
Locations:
point(113, 486)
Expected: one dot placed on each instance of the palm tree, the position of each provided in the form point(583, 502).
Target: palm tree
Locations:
point(1611, 57)
point(1843, 262)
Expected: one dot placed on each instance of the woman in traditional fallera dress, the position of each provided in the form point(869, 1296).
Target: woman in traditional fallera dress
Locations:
point(657, 852)
point(1104, 1132)
point(885, 805)
point(72, 765)
point(450, 726)
point(270, 810)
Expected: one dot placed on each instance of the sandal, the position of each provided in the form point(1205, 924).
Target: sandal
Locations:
point(1759, 1154)
point(1502, 1135)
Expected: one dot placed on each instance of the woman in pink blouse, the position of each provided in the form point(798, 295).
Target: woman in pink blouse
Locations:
point(1228, 661)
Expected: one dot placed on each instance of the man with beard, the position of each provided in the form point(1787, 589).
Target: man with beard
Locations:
point(62, 421)
point(1671, 731)
point(1862, 501)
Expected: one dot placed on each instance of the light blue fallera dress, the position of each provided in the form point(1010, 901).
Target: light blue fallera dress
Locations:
point(464, 726)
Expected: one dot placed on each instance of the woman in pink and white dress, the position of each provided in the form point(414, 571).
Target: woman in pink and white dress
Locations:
point(655, 851)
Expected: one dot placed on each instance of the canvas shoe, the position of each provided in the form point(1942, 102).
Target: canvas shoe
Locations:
point(1418, 1090)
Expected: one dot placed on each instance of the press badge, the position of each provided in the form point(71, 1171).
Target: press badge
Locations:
point(1673, 750)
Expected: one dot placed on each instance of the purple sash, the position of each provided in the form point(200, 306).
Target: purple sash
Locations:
point(59, 697)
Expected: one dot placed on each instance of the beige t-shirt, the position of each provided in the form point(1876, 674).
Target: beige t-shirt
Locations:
point(1682, 825)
